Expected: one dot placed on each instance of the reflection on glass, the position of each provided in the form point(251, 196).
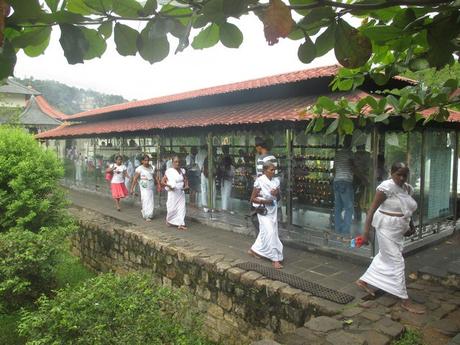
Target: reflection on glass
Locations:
point(439, 155)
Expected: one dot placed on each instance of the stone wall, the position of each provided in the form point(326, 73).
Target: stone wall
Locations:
point(240, 306)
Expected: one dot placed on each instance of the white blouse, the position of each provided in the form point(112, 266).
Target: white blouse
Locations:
point(398, 199)
point(118, 173)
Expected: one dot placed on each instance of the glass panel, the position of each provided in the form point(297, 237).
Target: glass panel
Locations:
point(106, 150)
point(414, 160)
point(439, 156)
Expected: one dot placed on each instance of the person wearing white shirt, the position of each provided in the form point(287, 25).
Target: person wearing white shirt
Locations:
point(144, 174)
point(117, 184)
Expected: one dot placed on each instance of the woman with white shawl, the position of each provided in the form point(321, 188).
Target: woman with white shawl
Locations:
point(175, 182)
point(265, 196)
point(390, 214)
point(145, 174)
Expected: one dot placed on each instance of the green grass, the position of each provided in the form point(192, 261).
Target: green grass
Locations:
point(409, 338)
point(69, 271)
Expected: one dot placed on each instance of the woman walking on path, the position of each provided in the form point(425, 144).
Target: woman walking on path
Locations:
point(265, 196)
point(390, 214)
point(145, 173)
point(117, 185)
point(175, 183)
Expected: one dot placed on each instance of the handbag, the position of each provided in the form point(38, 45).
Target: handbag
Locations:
point(261, 209)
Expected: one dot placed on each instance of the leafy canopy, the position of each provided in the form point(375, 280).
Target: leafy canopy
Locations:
point(391, 38)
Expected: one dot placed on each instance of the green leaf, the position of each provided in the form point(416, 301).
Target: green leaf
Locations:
point(325, 42)
point(346, 125)
point(214, 10)
point(106, 29)
point(64, 17)
point(409, 123)
point(352, 48)
point(32, 37)
point(34, 51)
point(230, 35)
point(151, 47)
point(316, 19)
point(149, 8)
point(296, 34)
point(125, 39)
point(74, 43)
point(451, 84)
point(234, 8)
point(52, 4)
point(381, 117)
point(101, 6)
point(307, 51)
point(319, 124)
point(25, 11)
point(326, 103)
point(207, 37)
point(79, 7)
point(332, 127)
point(380, 78)
point(382, 33)
point(301, 2)
point(97, 45)
point(182, 14)
point(127, 8)
point(7, 60)
point(404, 18)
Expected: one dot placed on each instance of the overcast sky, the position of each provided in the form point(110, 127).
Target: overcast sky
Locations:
point(134, 78)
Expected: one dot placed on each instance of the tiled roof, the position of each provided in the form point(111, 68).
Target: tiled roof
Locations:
point(34, 115)
point(285, 78)
point(287, 109)
point(48, 109)
point(12, 86)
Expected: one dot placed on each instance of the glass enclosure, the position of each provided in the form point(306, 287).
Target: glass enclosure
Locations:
point(314, 207)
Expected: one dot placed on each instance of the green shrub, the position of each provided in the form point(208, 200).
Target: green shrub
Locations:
point(27, 267)
point(114, 310)
point(30, 196)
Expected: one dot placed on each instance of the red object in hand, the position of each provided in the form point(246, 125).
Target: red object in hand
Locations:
point(359, 241)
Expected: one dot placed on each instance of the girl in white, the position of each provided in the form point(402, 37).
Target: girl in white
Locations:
point(390, 214)
point(175, 183)
point(267, 192)
point(145, 174)
point(117, 185)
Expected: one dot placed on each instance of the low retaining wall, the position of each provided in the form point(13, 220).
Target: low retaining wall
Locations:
point(240, 306)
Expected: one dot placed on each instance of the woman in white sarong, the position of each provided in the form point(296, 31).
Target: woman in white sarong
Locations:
point(175, 183)
point(266, 192)
point(390, 214)
point(145, 174)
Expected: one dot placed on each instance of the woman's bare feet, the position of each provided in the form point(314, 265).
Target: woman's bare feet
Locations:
point(277, 265)
point(253, 254)
point(148, 220)
point(363, 285)
point(412, 307)
point(182, 228)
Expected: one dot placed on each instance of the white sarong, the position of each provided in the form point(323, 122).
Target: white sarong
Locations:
point(267, 243)
point(386, 271)
point(175, 205)
point(147, 198)
point(146, 186)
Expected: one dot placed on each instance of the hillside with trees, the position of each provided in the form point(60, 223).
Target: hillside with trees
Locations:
point(70, 100)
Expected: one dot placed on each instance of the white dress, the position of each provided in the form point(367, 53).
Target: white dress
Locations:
point(175, 205)
point(146, 186)
point(386, 271)
point(267, 243)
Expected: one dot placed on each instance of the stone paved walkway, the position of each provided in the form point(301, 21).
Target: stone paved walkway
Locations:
point(361, 322)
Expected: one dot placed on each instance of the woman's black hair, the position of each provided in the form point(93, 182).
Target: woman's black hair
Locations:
point(174, 157)
point(398, 165)
point(118, 156)
point(145, 156)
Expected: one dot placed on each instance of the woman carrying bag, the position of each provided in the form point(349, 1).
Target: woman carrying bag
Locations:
point(265, 196)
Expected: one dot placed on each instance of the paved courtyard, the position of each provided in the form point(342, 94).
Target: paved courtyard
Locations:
point(362, 321)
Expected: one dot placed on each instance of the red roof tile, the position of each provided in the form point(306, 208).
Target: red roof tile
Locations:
point(285, 78)
point(48, 109)
point(250, 113)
